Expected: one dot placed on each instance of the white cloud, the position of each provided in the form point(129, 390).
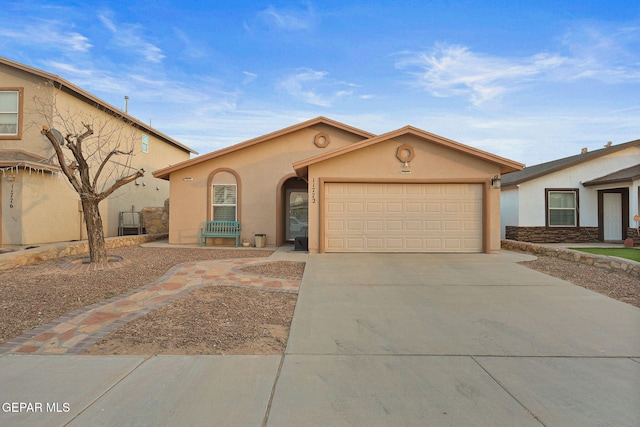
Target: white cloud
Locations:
point(587, 51)
point(449, 70)
point(248, 77)
point(126, 36)
point(289, 19)
point(191, 49)
point(602, 51)
point(48, 33)
point(314, 88)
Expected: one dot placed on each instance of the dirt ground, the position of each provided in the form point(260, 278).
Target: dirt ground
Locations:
point(210, 320)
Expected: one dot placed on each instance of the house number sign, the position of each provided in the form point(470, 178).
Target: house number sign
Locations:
point(313, 190)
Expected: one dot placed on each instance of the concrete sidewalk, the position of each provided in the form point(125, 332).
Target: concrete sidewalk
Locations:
point(376, 340)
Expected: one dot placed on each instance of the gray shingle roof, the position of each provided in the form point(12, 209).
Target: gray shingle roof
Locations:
point(623, 175)
point(535, 171)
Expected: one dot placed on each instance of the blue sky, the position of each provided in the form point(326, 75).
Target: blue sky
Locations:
point(528, 80)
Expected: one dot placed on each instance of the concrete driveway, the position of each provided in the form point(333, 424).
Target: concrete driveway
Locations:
point(376, 340)
point(455, 340)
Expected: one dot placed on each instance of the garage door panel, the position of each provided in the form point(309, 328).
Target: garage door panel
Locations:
point(393, 207)
point(375, 207)
point(335, 225)
point(355, 207)
point(356, 244)
point(403, 217)
point(355, 225)
point(413, 207)
point(375, 225)
point(416, 225)
point(335, 207)
point(375, 243)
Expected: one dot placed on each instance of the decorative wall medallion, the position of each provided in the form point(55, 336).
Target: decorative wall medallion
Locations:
point(405, 153)
point(321, 140)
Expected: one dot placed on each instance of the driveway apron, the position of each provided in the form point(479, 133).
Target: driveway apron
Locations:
point(382, 339)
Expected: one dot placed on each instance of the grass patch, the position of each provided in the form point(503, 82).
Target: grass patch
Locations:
point(628, 253)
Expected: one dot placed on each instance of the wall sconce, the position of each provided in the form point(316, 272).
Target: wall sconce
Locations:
point(11, 177)
point(495, 182)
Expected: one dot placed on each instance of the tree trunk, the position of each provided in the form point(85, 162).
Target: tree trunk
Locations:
point(95, 231)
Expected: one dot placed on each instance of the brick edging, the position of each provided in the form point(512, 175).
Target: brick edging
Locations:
point(632, 268)
point(63, 249)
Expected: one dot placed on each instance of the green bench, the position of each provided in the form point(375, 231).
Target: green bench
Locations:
point(220, 229)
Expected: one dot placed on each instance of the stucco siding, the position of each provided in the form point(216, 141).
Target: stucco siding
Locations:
point(509, 209)
point(46, 208)
point(261, 168)
point(531, 209)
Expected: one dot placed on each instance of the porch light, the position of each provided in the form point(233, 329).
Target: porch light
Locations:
point(495, 182)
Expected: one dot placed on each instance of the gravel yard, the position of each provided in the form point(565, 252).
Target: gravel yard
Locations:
point(211, 320)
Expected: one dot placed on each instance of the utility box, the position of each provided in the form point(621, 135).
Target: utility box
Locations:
point(301, 244)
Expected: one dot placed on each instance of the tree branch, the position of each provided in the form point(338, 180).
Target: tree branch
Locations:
point(73, 179)
point(119, 183)
point(104, 163)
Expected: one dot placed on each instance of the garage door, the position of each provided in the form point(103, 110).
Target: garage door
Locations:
point(377, 217)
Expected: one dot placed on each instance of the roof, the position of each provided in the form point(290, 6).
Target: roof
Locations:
point(506, 165)
point(91, 99)
point(164, 173)
point(536, 171)
point(10, 159)
point(623, 175)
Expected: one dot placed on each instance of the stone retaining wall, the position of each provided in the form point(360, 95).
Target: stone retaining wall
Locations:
point(629, 267)
point(561, 235)
point(552, 235)
point(156, 220)
point(58, 250)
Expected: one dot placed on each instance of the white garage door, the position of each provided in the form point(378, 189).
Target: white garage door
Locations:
point(377, 217)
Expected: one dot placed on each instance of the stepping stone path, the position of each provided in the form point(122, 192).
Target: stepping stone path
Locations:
point(75, 332)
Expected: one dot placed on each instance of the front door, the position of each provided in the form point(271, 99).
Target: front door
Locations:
point(612, 216)
point(298, 213)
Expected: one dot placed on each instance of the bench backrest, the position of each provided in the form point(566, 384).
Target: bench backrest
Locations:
point(223, 227)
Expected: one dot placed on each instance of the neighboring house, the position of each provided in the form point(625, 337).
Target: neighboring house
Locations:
point(37, 203)
point(404, 191)
point(592, 196)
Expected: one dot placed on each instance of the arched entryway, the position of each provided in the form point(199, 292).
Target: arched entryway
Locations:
point(293, 210)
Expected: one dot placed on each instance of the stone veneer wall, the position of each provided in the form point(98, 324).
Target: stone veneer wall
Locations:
point(58, 250)
point(632, 268)
point(552, 235)
point(633, 233)
point(156, 220)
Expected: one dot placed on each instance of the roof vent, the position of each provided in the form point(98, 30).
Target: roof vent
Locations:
point(584, 150)
point(608, 144)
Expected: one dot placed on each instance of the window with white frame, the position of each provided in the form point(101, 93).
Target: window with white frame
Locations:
point(562, 208)
point(145, 143)
point(225, 199)
point(9, 113)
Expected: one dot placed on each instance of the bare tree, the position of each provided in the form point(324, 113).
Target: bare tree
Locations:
point(97, 140)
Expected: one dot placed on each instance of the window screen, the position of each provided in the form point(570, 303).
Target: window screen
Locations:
point(224, 202)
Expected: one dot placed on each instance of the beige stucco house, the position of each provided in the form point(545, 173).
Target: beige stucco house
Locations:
point(37, 203)
point(345, 189)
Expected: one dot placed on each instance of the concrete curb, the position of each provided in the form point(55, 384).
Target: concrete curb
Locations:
point(62, 249)
point(632, 268)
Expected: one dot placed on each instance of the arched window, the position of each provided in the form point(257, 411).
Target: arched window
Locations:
point(224, 196)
